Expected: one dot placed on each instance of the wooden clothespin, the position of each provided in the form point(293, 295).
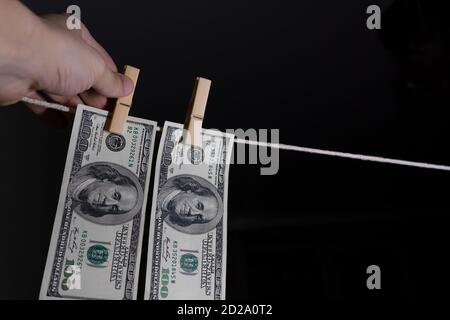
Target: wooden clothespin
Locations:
point(196, 112)
point(123, 104)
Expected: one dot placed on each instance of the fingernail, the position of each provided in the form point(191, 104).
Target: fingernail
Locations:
point(127, 84)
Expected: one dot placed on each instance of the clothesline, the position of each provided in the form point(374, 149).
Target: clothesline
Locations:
point(280, 146)
point(347, 155)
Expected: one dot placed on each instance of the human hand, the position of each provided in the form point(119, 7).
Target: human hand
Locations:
point(43, 56)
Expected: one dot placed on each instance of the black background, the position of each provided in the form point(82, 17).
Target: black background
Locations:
point(309, 68)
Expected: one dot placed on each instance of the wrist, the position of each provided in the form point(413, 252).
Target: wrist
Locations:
point(21, 34)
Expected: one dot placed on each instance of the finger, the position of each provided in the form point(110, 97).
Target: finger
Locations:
point(113, 85)
point(38, 110)
point(94, 99)
point(8, 103)
point(110, 104)
point(71, 101)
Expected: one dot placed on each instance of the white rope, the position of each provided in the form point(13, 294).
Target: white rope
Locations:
point(346, 155)
point(46, 104)
point(280, 146)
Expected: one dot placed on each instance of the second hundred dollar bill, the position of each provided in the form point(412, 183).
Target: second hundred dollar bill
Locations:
point(188, 226)
point(97, 235)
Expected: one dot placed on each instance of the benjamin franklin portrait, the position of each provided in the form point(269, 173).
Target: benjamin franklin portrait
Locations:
point(190, 204)
point(106, 193)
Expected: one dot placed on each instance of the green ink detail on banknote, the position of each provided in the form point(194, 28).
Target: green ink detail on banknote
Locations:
point(97, 254)
point(188, 262)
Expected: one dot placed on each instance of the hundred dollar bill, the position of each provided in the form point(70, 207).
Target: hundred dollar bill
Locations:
point(188, 226)
point(97, 235)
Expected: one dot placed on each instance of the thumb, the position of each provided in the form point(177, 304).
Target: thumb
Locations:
point(113, 84)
